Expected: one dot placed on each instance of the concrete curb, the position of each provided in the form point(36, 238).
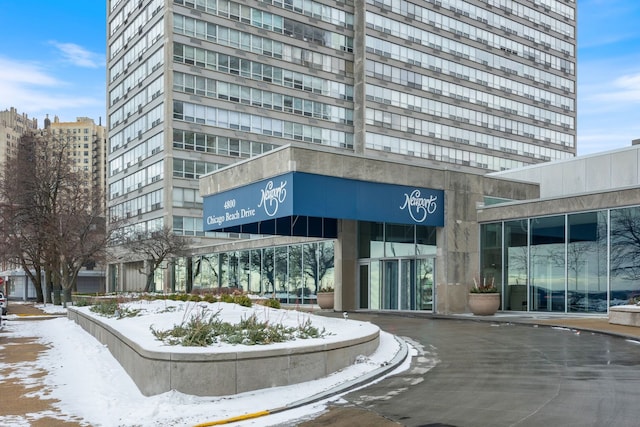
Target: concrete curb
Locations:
point(383, 370)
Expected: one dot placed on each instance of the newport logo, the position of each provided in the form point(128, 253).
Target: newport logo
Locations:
point(419, 207)
point(272, 197)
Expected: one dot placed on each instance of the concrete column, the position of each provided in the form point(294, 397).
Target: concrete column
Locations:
point(359, 78)
point(345, 261)
point(458, 254)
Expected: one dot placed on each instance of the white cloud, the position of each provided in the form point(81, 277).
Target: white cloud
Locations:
point(620, 93)
point(15, 72)
point(30, 88)
point(608, 98)
point(79, 56)
point(607, 132)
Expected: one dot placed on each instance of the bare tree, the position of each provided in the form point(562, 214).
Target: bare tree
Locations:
point(154, 248)
point(52, 222)
point(29, 192)
point(82, 235)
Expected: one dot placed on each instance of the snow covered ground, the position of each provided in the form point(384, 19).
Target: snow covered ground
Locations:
point(90, 384)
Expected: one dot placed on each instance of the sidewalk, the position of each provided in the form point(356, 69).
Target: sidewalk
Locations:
point(19, 399)
point(583, 322)
point(593, 324)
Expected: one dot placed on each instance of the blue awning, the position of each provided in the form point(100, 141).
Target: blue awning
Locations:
point(298, 203)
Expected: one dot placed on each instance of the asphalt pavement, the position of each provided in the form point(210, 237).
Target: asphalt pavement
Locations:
point(512, 369)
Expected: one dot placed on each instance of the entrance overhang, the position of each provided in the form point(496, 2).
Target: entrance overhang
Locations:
point(306, 204)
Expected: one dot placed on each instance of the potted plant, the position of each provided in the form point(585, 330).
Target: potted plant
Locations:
point(484, 298)
point(325, 297)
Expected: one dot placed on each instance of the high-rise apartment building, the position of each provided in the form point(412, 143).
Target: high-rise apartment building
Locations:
point(195, 85)
point(87, 142)
point(12, 126)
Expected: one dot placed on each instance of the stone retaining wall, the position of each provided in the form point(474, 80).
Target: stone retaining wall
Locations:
point(625, 315)
point(220, 374)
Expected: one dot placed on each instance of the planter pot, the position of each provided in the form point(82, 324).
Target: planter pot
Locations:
point(325, 300)
point(484, 304)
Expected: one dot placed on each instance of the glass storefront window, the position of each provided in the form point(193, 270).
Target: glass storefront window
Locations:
point(255, 272)
point(546, 271)
point(206, 272)
point(292, 273)
point(515, 265)
point(547, 264)
point(268, 271)
point(491, 253)
point(399, 240)
point(281, 271)
point(426, 241)
point(244, 278)
point(587, 262)
point(224, 268)
point(233, 270)
point(625, 252)
point(318, 265)
point(296, 289)
point(179, 274)
point(370, 239)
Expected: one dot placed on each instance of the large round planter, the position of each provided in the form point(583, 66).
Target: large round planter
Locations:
point(484, 304)
point(325, 300)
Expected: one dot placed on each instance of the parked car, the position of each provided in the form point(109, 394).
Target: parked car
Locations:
point(3, 303)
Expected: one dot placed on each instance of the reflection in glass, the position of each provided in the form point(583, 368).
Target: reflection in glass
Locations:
point(205, 272)
point(158, 280)
point(244, 278)
point(376, 286)
point(625, 253)
point(515, 259)
point(268, 271)
point(547, 264)
point(370, 239)
point(363, 286)
point(233, 270)
point(587, 262)
point(399, 240)
point(281, 273)
point(398, 279)
point(224, 269)
point(407, 284)
point(179, 274)
point(426, 241)
point(425, 284)
point(255, 271)
point(296, 290)
point(491, 253)
point(390, 285)
point(318, 265)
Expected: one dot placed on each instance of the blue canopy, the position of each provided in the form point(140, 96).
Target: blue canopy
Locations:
point(298, 203)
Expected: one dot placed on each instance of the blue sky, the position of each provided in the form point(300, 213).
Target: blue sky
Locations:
point(52, 61)
point(52, 58)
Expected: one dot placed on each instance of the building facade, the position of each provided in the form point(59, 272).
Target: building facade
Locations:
point(194, 86)
point(12, 126)
point(88, 143)
point(573, 249)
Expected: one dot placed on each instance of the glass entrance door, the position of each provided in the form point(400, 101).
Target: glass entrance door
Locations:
point(390, 284)
point(407, 284)
point(424, 283)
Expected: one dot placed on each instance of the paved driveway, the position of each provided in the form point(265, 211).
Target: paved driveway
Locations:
point(471, 373)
